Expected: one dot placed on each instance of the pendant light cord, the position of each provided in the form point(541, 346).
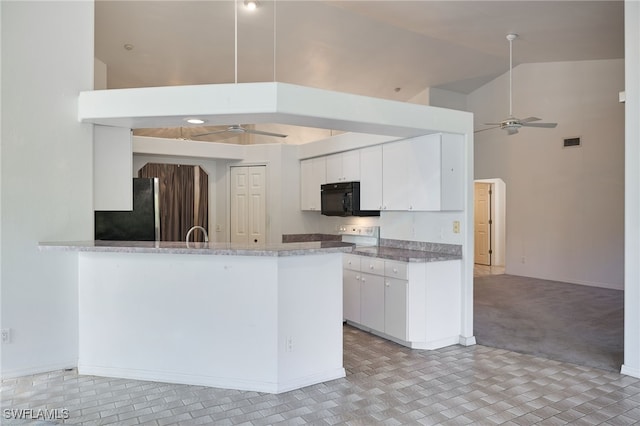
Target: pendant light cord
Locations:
point(275, 8)
point(235, 46)
point(510, 77)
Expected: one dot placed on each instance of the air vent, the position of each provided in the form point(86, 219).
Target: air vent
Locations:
point(570, 142)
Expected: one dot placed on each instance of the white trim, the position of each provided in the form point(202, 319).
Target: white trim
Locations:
point(211, 381)
point(630, 371)
point(9, 374)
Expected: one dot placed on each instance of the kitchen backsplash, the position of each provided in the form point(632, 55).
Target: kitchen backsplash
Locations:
point(303, 238)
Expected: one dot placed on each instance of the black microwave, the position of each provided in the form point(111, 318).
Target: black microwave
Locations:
point(342, 199)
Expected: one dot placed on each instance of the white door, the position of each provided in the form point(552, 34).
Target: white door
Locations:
point(482, 223)
point(248, 204)
point(372, 301)
point(395, 308)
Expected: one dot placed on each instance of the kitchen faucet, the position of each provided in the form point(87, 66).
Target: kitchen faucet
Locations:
point(204, 231)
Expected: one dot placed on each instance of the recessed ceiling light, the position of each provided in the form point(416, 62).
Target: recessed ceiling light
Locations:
point(251, 4)
point(195, 121)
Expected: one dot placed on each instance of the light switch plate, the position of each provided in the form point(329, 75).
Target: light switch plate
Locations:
point(456, 226)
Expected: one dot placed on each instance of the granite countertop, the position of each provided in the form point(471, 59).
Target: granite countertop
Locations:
point(210, 248)
point(404, 255)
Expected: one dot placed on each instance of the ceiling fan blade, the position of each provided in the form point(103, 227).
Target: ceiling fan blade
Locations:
point(260, 132)
point(209, 133)
point(545, 125)
point(492, 124)
point(530, 119)
point(488, 128)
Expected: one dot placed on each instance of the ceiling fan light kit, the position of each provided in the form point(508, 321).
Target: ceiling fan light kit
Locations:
point(512, 123)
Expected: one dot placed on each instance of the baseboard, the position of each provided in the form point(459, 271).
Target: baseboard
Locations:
point(21, 372)
point(467, 341)
point(325, 376)
point(630, 371)
point(212, 381)
point(609, 286)
point(428, 345)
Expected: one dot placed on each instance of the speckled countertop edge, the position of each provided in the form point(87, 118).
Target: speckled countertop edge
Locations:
point(404, 255)
point(217, 249)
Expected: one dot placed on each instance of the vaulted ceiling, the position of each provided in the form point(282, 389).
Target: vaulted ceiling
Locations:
point(387, 49)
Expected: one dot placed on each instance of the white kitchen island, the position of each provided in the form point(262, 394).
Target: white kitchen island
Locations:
point(266, 318)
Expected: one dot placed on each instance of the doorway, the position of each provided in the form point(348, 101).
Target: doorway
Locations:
point(482, 222)
point(248, 204)
point(489, 226)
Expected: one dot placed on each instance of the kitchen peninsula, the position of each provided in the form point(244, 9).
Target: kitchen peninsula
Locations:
point(263, 318)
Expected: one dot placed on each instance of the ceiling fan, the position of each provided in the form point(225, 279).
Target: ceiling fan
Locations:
point(512, 124)
point(238, 129)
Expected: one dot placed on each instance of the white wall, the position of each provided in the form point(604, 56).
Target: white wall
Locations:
point(632, 191)
point(47, 59)
point(565, 206)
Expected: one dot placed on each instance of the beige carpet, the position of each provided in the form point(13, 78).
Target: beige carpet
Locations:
point(565, 322)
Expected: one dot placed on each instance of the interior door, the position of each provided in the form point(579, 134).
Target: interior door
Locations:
point(248, 204)
point(482, 223)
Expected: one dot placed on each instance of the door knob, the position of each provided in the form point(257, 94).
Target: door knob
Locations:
point(255, 241)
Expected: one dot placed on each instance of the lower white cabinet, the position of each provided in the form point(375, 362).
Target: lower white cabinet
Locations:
point(395, 308)
point(416, 304)
point(372, 301)
point(351, 295)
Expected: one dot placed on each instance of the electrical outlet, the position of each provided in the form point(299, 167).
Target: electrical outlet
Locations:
point(456, 226)
point(289, 344)
point(6, 335)
point(523, 260)
point(218, 227)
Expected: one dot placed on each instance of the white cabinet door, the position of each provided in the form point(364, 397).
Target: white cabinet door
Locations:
point(312, 176)
point(351, 295)
point(343, 167)
point(423, 164)
point(395, 176)
point(371, 178)
point(452, 172)
point(372, 301)
point(424, 173)
point(395, 308)
point(334, 168)
point(351, 166)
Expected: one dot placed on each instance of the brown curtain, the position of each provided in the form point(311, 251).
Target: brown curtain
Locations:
point(177, 199)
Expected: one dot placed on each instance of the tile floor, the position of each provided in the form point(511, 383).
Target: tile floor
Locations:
point(385, 384)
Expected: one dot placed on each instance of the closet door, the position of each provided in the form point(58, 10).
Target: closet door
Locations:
point(248, 204)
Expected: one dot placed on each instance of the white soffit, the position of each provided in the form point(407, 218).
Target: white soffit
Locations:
point(226, 104)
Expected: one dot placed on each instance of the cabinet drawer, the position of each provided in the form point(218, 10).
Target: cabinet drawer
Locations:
point(395, 269)
point(351, 261)
point(372, 265)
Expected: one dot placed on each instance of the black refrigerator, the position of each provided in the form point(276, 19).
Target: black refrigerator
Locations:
point(140, 224)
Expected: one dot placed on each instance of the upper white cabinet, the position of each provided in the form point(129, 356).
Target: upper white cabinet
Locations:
point(371, 178)
point(424, 173)
point(112, 168)
point(312, 176)
point(343, 167)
